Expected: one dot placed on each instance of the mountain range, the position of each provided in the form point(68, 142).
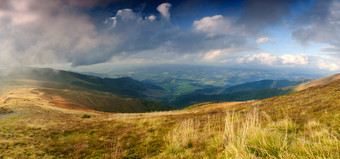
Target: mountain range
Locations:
point(79, 91)
point(179, 79)
point(50, 119)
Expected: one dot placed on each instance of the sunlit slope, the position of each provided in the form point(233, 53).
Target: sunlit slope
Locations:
point(321, 102)
point(304, 124)
point(251, 91)
point(10, 84)
point(125, 87)
point(249, 86)
point(187, 100)
point(317, 82)
point(318, 102)
point(85, 100)
point(243, 92)
point(3, 110)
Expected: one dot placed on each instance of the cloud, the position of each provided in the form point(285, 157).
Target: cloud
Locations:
point(152, 18)
point(289, 61)
point(60, 31)
point(294, 59)
point(164, 10)
point(264, 40)
point(89, 32)
point(215, 25)
point(321, 24)
point(263, 58)
point(219, 53)
point(271, 60)
point(331, 49)
point(34, 32)
point(260, 14)
point(328, 65)
point(212, 54)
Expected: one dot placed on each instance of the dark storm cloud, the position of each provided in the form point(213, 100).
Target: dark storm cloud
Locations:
point(259, 14)
point(132, 33)
point(85, 32)
point(64, 31)
point(32, 32)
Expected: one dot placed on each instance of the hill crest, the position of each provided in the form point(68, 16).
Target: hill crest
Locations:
point(317, 82)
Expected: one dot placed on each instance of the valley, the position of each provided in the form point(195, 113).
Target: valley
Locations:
point(171, 79)
point(179, 79)
point(41, 122)
point(130, 95)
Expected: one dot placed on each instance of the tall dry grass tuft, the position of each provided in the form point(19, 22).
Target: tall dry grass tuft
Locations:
point(250, 135)
point(278, 139)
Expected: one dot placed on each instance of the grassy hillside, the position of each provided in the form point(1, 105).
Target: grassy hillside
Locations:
point(179, 86)
point(105, 103)
point(242, 92)
point(191, 99)
point(4, 110)
point(75, 97)
point(304, 124)
point(125, 87)
point(253, 86)
point(188, 78)
point(317, 82)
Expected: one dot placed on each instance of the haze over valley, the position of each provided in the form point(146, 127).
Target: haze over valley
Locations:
point(169, 79)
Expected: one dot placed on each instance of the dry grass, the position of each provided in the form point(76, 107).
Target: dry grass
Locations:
point(247, 136)
point(317, 82)
point(295, 126)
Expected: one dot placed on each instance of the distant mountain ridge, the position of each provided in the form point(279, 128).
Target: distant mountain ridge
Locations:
point(125, 86)
point(243, 92)
point(191, 99)
point(317, 82)
point(253, 86)
point(179, 79)
point(77, 91)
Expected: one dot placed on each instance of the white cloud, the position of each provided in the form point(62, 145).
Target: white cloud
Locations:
point(33, 32)
point(327, 65)
point(290, 60)
point(152, 18)
point(264, 40)
point(212, 54)
point(214, 25)
point(124, 16)
point(220, 54)
point(20, 13)
point(269, 59)
point(294, 59)
point(263, 58)
point(164, 10)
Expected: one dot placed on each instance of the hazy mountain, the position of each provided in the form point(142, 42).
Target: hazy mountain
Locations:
point(185, 79)
point(307, 120)
point(243, 92)
point(253, 86)
point(187, 100)
point(125, 86)
point(77, 91)
point(317, 82)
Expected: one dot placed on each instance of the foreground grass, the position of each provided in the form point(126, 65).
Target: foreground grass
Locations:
point(3, 110)
point(238, 136)
point(204, 134)
point(300, 125)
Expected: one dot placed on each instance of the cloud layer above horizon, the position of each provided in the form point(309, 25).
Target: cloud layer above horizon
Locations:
point(86, 32)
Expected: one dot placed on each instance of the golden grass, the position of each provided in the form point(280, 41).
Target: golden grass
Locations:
point(317, 82)
point(294, 126)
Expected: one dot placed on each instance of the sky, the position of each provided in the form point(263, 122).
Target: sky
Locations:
point(287, 34)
